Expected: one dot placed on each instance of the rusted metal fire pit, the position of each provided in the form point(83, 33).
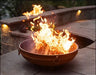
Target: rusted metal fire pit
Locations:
point(45, 60)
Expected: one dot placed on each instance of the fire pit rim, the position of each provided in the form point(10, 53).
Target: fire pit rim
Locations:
point(20, 48)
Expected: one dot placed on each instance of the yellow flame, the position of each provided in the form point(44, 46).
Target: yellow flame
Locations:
point(48, 37)
point(47, 40)
point(37, 9)
point(78, 13)
point(37, 18)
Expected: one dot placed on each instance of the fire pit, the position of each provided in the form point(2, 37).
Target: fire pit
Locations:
point(48, 46)
point(26, 47)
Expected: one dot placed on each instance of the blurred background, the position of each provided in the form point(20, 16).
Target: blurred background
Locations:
point(13, 8)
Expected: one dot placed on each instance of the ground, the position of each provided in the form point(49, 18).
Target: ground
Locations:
point(82, 64)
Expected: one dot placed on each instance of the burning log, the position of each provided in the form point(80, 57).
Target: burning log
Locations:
point(50, 47)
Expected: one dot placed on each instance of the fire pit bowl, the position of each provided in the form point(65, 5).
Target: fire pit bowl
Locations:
point(26, 47)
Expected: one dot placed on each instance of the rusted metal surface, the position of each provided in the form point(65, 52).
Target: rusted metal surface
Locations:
point(45, 60)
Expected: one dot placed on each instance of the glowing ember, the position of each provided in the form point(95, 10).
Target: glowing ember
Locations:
point(47, 40)
point(23, 20)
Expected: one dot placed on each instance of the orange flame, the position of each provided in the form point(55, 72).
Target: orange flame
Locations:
point(47, 40)
point(53, 40)
point(37, 9)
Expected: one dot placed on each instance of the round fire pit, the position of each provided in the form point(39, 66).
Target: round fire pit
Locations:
point(27, 46)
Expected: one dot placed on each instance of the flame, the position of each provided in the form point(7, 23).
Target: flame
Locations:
point(37, 9)
point(23, 20)
point(52, 40)
point(47, 40)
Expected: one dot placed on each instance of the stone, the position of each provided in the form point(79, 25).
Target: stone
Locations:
point(85, 28)
point(20, 34)
point(14, 64)
point(14, 20)
point(82, 64)
point(58, 72)
point(93, 45)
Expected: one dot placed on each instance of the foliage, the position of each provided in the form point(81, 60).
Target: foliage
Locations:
point(17, 7)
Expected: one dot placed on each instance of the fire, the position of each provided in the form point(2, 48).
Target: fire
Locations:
point(52, 40)
point(37, 9)
point(47, 40)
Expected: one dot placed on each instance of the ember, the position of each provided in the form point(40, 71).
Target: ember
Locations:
point(49, 41)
